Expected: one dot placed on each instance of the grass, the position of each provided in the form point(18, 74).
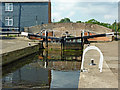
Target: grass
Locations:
point(51, 49)
point(72, 50)
point(12, 36)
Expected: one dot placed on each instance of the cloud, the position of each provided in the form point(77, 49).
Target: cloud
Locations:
point(83, 11)
point(57, 16)
point(109, 17)
point(73, 1)
point(72, 13)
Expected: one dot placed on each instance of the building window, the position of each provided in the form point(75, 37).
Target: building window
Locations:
point(8, 6)
point(8, 21)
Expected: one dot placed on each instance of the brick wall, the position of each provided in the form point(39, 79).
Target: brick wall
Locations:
point(74, 29)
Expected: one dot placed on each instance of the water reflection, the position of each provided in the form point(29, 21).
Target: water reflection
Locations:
point(65, 79)
point(45, 69)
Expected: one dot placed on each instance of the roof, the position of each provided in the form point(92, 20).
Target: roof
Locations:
point(24, 0)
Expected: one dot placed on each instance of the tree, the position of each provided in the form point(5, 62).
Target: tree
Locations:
point(93, 21)
point(65, 20)
point(114, 26)
point(78, 22)
point(118, 24)
point(118, 27)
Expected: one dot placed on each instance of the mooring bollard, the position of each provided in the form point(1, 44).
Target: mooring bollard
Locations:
point(29, 44)
point(92, 62)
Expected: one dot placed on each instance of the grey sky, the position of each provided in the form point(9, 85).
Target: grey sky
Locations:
point(83, 11)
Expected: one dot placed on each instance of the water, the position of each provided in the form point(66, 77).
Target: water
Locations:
point(45, 69)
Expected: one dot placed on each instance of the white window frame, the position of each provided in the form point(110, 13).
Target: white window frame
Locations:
point(8, 19)
point(8, 6)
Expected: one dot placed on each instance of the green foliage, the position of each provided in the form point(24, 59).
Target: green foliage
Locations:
point(12, 36)
point(115, 26)
point(93, 21)
point(78, 22)
point(65, 20)
point(118, 27)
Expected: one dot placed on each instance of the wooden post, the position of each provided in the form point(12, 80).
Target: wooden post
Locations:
point(63, 44)
point(46, 58)
point(41, 45)
point(50, 78)
point(46, 38)
point(62, 48)
point(82, 45)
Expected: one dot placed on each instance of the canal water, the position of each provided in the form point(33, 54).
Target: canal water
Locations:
point(44, 69)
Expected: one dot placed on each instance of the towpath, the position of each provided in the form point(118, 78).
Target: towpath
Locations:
point(109, 77)
point(8, 44)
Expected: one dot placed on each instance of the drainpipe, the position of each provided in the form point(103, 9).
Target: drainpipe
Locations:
point(49, 11)
point(36, 21)
point(19, 16)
